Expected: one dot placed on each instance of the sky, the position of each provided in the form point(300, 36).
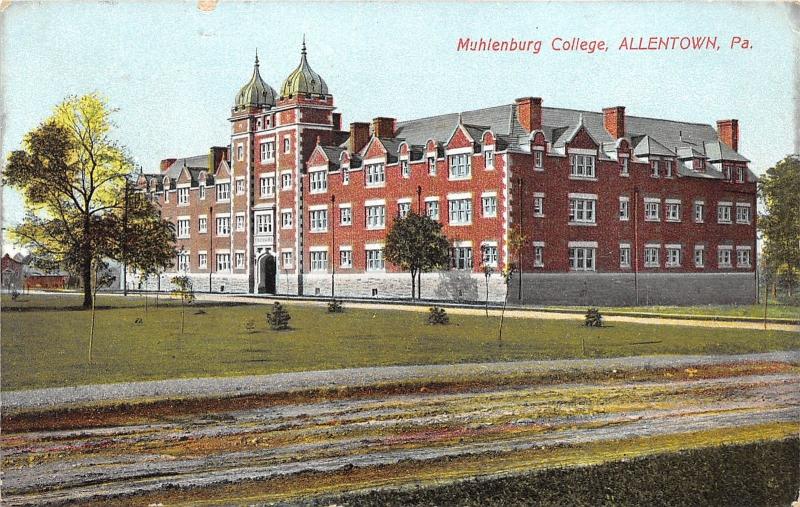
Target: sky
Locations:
point(172, 70)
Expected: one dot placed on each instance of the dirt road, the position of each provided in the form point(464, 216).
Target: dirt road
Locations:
point(327, 436)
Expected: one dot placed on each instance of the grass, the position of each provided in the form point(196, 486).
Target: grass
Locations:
point(774, 310)
point(50, 348)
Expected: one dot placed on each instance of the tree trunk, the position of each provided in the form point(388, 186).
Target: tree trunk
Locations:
point(419, 284)
point(413, 283)
point(86, 275)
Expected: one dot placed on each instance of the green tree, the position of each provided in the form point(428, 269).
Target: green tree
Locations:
point(73, 178)
point(779, 190)
point(183, 291)
point(516, 242)
point(416, 244)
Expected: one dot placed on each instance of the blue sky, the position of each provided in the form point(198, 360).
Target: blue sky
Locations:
point(173, 70)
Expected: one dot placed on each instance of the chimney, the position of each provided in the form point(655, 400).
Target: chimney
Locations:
point(216, 155)
point(337, 121)
point(614, 121)
point(359, 136)
point(529, 113)
point(166, 163)
point(728, 131)
point(383, 127)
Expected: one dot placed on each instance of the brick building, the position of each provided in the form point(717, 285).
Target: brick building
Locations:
point(615, 209)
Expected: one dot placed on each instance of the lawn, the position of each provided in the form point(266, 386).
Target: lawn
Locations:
point(50, 348)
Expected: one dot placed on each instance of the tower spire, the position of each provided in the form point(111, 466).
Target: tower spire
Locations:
point(303, 50)
point(256, 57)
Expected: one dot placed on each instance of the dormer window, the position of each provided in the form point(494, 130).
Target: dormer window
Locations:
point(432, 166)
point(697, 165)
point(582, 166)
point(489, 155)
point(538, 159)
point(404, 170)
point(460, 166)
point(668, 168)
point(624, 166)
point(740, 174)
point(319, 182)
point(345, 176)
point(654, 165)
point(375, 175)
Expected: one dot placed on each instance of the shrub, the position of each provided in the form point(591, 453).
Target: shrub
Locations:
point(593, 318)
point(438, 316)
point(278, 319)
point(250, 326)
point(335, 306)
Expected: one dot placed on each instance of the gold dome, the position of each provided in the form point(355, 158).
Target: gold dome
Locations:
point(303, 80)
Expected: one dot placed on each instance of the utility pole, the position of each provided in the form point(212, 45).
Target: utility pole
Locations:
point(636, 243)
point(210, 231)
point(521, 247)
point(333, 246)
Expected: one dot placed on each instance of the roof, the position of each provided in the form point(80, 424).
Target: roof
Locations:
point(195, 164)
point(303, 79)
point(255, 92)
point(662, 137)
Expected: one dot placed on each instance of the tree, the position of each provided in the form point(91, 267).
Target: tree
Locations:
point(416, 244)
point(779, 190)
point(516, 241)
point(278, 319)
point(73, 178)
point(183, 290)
point(102, 278)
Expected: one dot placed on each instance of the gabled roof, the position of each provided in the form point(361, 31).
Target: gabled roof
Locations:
point(717, 150)
point(646, 145)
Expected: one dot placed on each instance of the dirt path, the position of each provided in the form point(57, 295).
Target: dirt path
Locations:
point(15, 401)
point(521, 314)
point(325, 437)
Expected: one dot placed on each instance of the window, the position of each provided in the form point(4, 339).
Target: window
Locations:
point(223, 226)
point(624, 208)
point(624, 167)
point(538, 159)
point(223, 191)
point(319, 182)
point(489, 255)
point(742, 214)
point(345, 176)
point(319, 260)
point(403, 208)
point(239, 223)
point(375, 175)
point(538, 204)
point(432, 166)
point(404, 169)
point(726, 171)
point(489, 206)
point(740, 174)
point(263, 223)
point(673, 211)
point(223, 262)
point(581, 258)
point(202, 225)
point(183, 261)
point(346, 258)
point(202, 261)
point(287, 259)
point(239, 186)
point(460, 166)
point(461, 257)
point(460, 211)
point(432, 209)
point(699, 211)
point(699, 256)
point(268, 151)
point(697, 165)
point(673, 256)
point(238, 259)
point(267, 186)
point(375, 259)
point(651, 256)
point(166, 195)
point(183, 228)
point(286, 181)
point(376, 216)
point(240, 152)
point(202, 192)
point(183, 196)
point(742, 256)
point(582, 211)
point(287, 144)
point(624, 256)
point(286, 219)
point(489, 158)
point(538, 255)
point(724, 257)
point(319, 220)
point(582, 166)
point(652, 210)
point(655, 168)
point(724, 213)
point(346, 215)
point(668, 168)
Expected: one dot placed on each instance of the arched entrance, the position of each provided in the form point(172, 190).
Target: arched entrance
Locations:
point(266, 274)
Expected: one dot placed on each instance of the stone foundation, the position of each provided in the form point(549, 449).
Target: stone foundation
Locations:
point(223, 282)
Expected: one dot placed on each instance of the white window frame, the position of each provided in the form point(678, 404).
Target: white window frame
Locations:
point(624, 255)
point(223, 226)
point(699, 212)
point(375, 175)
point(183, 196)
point(699, 255)
point(202, 224)
point(346, 214)
point(286, 180)
point(672, 205)
point(287, 258)
point(582, 209)
point(375, 216)
point(671, 262)
point(267, 151)
point(743, 213)
point(624, 208)
point(624, 168)
point(583, 166)
point(374, 260)
point(318, 181)
point(582, 256)
point(223, 191)
point(183, 228)
point(651, 205)
point(432, 208)
point(346, 257)
point(489, 254)
point(489, 204)
point(459, 211)
point(538, 254)
point(488, 156)
point(240, 224)
point(650, 260)
point(728, 250)
point(724, 211)
point(319, 259)
point(223, 261)
point(184, 260)
point(287, 219)
point(538, 159)
point(742, 250)
point(238, 260)
point(263, 223)
point(240, 188)
point(202, 260)
point(318, 219)
point(459, 166)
